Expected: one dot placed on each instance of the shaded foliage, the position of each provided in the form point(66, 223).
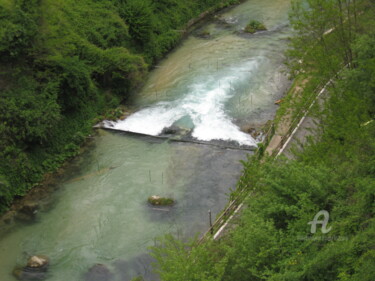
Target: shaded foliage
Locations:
point(18, 28)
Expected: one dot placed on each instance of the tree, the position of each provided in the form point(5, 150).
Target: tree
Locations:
point(18, 30)
point(138, 15)
point(28, 112)
point(324, 33)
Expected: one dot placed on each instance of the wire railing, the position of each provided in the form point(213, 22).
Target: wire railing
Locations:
point(234, 205)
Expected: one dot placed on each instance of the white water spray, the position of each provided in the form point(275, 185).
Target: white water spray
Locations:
point(204, 104)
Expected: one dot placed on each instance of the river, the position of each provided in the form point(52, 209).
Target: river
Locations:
point(212, 86)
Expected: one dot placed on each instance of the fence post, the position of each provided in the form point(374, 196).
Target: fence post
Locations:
point(209, 215)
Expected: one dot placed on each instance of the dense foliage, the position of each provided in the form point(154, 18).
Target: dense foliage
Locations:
point(335, 172)
point(63, 63)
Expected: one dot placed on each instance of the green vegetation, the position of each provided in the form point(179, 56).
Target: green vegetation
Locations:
point(254, 26)
point(63, 63)
point(160, 201)
point(335, 172)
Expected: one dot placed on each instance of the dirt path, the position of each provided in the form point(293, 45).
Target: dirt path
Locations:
point(283, 126)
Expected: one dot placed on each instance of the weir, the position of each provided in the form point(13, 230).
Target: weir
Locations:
point(182, 139)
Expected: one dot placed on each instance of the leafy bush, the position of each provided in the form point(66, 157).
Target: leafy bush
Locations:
point(18, 28)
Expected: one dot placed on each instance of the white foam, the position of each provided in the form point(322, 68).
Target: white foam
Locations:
point(204, 103)
point(150, 121)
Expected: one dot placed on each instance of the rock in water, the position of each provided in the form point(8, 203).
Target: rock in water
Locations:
point(99, 272)
point(38, 262)
point(172, 130)
point(36, 269)
point(156, 200)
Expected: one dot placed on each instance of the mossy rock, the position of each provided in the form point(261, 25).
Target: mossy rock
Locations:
point(160, 201)
point(99, 272)
point(38, 262)
point(35, 269)
point(254, 26)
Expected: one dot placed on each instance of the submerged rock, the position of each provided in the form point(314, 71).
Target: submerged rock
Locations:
point(172, 130)
point(36, 269)
point(134, 268)
point(175, 131)
point(28, 211)
point(29, 274)
point(99, 272)
point(226, 21)
point(204, 34)
point(156, 200)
